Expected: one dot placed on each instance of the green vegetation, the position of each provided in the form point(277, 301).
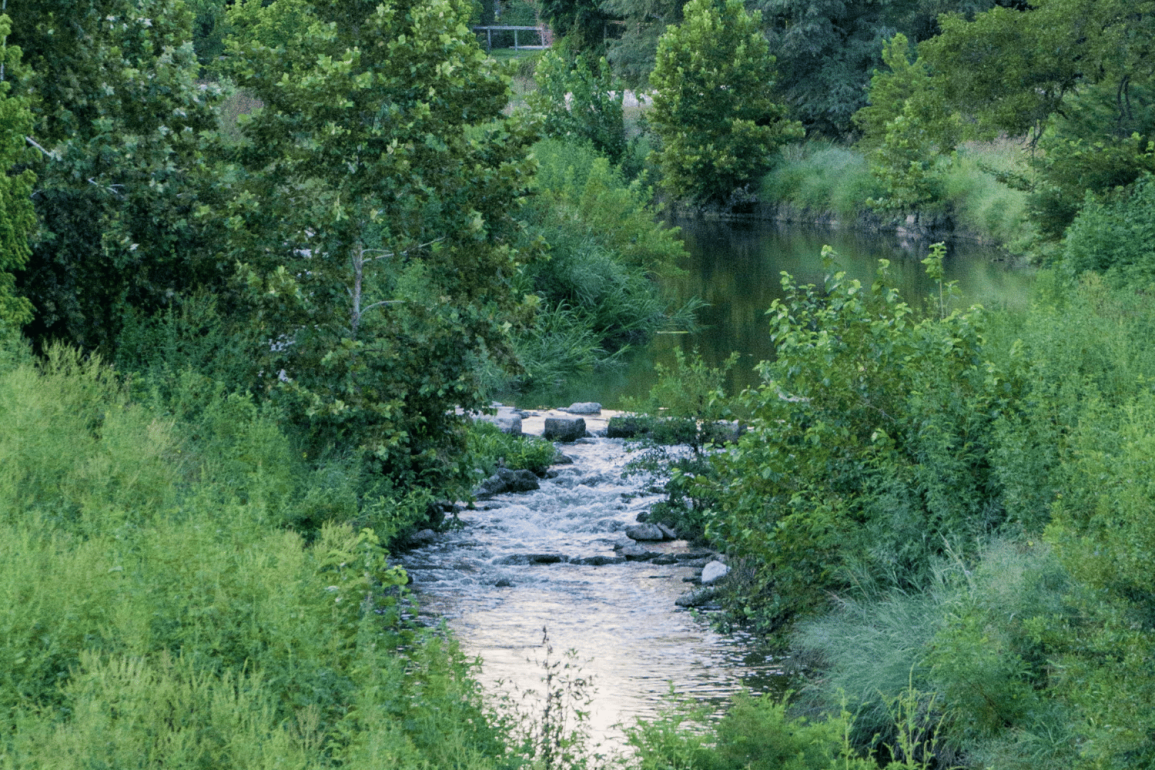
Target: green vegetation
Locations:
point(303, 234)
point(714, 115)
point(160, 608)
point(580, 101)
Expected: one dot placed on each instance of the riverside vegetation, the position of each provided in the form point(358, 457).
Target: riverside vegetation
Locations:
point(253, 255)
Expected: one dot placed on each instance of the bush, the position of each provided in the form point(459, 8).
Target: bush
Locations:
point(488, 448)
point(967, 641)
point(869, 443)
point(1115, 235)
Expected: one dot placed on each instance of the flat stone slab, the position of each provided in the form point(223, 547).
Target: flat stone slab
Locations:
point(531, 558)
point(584, 407)
point(598, 561)
point(697, 597)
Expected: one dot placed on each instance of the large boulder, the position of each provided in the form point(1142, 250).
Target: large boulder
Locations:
point(565, 429)
point(722, 432)
point(713, 572)
point(645, 532)
point(507, 481)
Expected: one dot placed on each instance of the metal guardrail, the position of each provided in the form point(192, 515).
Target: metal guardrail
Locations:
point(490, 29)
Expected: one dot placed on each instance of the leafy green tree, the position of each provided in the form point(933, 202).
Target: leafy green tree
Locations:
point(17, 217)
point(119, 117)
point(580, 101)
point(714, 111)
point(632, 52)
point(583, 23)
point(1078, 76)
point(371, 212)
point(827, 50)
point(907, 128)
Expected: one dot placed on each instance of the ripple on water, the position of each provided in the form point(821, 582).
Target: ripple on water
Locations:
point(492, 584)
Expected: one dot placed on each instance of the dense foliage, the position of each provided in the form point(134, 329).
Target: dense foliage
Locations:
point(713, 111)
point(157, 609)
point(118, 119)
point(580, 101)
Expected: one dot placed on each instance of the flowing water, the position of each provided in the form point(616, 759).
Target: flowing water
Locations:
point(515, 567)
point(492, 585)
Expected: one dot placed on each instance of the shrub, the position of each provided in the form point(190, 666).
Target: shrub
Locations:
point(1115, 235)
point(869, 443)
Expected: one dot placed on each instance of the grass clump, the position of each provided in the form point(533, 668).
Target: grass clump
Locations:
point(821, 176)
point(489, 448)
point(974, 186)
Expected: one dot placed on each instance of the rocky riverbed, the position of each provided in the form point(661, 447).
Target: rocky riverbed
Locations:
point(560, 557)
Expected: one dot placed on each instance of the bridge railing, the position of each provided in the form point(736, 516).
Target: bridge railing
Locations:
point(491, 28)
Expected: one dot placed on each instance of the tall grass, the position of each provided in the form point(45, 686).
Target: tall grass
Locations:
point(158, 609)
point(980, 201)
point(821, 177)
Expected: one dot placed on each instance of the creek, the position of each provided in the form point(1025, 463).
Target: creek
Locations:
point(515, 568)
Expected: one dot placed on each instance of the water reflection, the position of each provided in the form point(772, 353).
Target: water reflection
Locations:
point(737, 268)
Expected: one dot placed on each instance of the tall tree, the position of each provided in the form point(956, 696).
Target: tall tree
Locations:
point(827, 49)
point(118, 119)
point(372, 211)
point(713, 111)
point(1078, 75)
point(17, 218)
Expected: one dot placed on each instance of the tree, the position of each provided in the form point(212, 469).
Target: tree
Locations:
point(118, 122)
point(17, 217)
point(713, 107)
point(642, 23)
point(371, 214)
point(827, 50)
point(580, 101)
point(907, 129)
point(1078, 76)
point(581, 22)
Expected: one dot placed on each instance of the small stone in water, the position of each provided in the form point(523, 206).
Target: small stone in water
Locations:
point(645, 532)
point(713, 572)
point(637, 553)
point(697, 597)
